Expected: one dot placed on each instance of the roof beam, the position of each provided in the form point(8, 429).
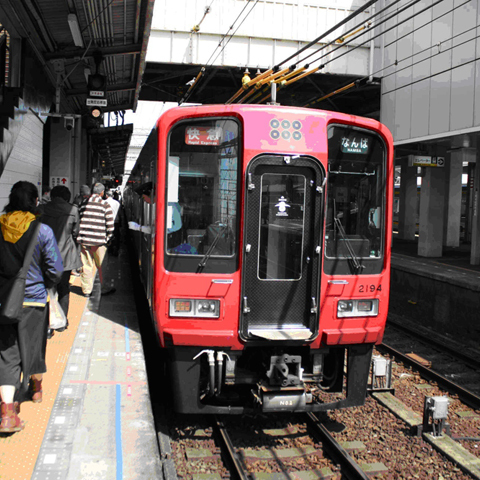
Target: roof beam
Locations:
point(119, 87)
point(71, 53)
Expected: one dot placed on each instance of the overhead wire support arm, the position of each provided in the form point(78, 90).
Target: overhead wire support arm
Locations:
point(246, 86)
point(281, 82)
point(189, 91)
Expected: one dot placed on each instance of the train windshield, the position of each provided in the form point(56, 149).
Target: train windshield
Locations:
point(355, 201)
point(202, 173)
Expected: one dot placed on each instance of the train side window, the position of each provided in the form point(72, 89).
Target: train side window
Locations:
point(202, 195)
point(354, 229)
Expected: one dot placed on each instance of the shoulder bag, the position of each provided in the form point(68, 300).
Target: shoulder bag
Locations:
point(12, 292)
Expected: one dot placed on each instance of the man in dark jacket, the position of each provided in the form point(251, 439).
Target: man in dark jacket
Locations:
point(63, 218)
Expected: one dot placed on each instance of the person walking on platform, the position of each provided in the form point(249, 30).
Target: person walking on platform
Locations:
point(82, 197)
point(64, 220)
point(96, 230)
point(23, 345)
point(45, 195)
point(115, 241)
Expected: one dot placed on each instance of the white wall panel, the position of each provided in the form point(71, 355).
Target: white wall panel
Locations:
point(463, 88)
point(25, 161)
point(423, 18)
point(403, 112)
point(420, 108)
point(476, 98)
point(290, 21)
point(445, 76)
point(440, 103)
point(387, 108)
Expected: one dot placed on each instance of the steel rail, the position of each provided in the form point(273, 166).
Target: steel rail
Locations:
point(350, 468)
point(229, 454)
point(442, 346)
point(465, 395)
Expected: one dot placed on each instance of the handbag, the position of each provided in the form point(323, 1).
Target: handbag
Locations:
point(12, 292)
point(57, 317)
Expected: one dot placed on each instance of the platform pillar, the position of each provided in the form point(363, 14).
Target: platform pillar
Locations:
point(431, 213)
point(475, 250)
point(408, 213)
point(453, 196)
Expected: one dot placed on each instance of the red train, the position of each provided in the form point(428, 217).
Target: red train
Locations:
point(263, 236)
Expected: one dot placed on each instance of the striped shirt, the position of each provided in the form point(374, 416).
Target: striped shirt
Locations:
point(96, 222)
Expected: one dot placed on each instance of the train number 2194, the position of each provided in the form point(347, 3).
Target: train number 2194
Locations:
point(369, 288)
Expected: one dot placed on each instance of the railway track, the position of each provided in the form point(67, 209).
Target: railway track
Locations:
point(237, 459)
point(436, 360)
point(440, 343)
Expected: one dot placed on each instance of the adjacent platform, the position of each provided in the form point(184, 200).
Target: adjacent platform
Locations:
point(441, 293)
point(95, 421)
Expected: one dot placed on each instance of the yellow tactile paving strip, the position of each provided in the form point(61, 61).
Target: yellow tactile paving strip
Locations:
point(19, 451)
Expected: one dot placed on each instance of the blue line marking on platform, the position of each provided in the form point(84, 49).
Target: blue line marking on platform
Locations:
point(118, 433)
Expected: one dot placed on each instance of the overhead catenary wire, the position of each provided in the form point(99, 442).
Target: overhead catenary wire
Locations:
point(352, 31)
point(328, 32)
point(314, 70)
point(190, 90)
point(375, 36)
point(313, 42)
point(359, 81)
point(396, 62)
point(236, 30)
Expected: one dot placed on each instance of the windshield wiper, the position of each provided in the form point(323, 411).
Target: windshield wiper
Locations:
point(208, 254)
point(357, 267)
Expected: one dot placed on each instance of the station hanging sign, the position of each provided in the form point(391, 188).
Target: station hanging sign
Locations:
point(425, 161)
point(96, 93)
point(96, 102)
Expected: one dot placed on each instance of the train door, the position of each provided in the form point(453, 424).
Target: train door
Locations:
point(281, 262)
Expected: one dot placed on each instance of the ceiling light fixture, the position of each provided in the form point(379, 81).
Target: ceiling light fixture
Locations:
point(75, 29)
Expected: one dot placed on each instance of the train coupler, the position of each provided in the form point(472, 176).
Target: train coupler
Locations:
point(282, 400)
point(285, 370)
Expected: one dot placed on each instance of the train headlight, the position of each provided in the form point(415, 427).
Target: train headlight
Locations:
point(357, 308)
point(203, 308)
point(345, 306)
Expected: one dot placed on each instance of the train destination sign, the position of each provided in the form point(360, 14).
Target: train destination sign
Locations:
point(203, 135)
point(425, 161)
point(354, 144)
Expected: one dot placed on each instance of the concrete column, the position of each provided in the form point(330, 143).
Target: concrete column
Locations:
point(76, 180)
point(453, 196)
point(475, 250)
point(431, 213)
point(408, 214)
point(61, 143)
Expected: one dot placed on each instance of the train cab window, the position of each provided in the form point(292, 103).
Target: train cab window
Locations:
point(354, 231)
point(202, 196)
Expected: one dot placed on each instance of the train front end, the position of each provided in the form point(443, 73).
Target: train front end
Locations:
point(271, 256)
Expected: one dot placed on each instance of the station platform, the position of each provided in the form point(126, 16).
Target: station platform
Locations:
point(95, 421)
point(440, 293)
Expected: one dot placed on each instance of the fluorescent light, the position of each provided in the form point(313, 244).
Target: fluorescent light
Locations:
point(75, 29)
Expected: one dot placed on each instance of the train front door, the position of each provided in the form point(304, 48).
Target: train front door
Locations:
point(282, 243)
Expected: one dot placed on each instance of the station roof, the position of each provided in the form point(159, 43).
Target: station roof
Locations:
point(169, 82)
point(73, 38)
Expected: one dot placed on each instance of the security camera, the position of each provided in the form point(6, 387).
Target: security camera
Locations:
point(69, 123)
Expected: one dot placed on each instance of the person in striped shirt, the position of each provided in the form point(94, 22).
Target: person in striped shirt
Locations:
point(96, 230)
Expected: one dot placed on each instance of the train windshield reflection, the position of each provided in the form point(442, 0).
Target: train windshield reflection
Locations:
point(201, 214)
